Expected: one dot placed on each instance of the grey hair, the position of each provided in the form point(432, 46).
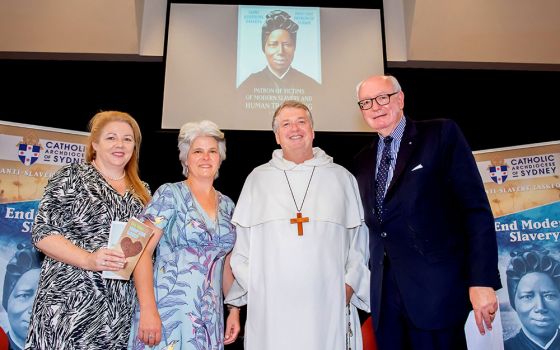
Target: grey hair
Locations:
point(290, 104)
point(190, 131)
point(392, 79)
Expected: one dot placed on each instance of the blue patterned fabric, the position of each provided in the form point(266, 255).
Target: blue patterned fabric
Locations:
point(188, 269)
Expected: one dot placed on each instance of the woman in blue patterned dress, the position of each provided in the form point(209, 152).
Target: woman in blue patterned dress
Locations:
point(180, 294)
point(75, 308)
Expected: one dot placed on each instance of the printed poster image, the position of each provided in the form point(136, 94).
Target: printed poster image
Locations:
point(523, 187)
point(278, 57)
point(29, 156)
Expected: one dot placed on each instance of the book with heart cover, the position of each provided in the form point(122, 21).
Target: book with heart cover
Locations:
point(130, 238)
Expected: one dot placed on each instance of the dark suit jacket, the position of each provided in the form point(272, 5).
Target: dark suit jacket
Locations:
point(438, 229)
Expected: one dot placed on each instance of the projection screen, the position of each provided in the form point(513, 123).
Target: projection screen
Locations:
point(219, 64)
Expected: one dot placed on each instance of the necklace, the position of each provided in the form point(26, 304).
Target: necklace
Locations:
point(299, 219)
point(107, 176)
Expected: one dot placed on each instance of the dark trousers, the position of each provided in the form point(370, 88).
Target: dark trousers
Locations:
point(396, 331)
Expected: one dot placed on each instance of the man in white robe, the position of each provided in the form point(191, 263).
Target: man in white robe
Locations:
point(302, 276)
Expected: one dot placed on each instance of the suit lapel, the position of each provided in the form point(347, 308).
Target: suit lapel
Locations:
point(370, 171)
point(406, 148)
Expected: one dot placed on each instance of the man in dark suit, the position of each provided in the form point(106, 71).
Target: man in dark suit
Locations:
point(433, 252)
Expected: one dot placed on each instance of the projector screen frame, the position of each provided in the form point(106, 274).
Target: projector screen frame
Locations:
point(341, 120)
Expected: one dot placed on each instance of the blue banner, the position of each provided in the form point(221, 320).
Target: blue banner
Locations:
point(29, 156)
point(523, 186)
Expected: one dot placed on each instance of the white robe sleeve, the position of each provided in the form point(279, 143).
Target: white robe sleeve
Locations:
point(239, 261)
point(357, 274)
point(356, 271)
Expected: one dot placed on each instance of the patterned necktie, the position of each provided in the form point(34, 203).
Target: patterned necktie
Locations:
point(382, 173)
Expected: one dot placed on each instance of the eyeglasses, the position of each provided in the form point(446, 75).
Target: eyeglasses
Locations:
point(381, 100)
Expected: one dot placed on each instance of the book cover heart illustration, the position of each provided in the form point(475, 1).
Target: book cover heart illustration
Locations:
point(131, 238)
point(131, 249)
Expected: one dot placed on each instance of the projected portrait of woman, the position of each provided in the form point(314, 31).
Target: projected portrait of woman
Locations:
point(20, 286)
point(279, 43)
point(533, 282)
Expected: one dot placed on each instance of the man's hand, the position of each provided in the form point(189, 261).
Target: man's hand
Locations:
point(233, 326)
point(485, 305)
point(349, 293)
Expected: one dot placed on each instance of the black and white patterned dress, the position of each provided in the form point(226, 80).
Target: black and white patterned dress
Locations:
point(76, 308)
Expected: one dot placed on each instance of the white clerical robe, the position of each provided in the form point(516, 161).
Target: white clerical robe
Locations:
point(294, 286)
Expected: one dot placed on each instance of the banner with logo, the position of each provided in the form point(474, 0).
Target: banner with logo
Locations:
point(29, 156)
point(523, 186)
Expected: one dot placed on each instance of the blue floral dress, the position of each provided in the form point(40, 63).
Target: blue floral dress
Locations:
point(188, 269)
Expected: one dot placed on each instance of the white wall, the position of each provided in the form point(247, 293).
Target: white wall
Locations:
point(486, 31)
point(124, 27)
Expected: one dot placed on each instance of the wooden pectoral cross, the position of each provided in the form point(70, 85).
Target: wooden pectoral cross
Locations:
point(299, 220)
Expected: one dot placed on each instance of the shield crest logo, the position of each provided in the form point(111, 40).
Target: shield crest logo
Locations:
point(28, 154)
point(498, 173)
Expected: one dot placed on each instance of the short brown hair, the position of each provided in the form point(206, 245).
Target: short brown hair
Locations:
point(290, 104)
